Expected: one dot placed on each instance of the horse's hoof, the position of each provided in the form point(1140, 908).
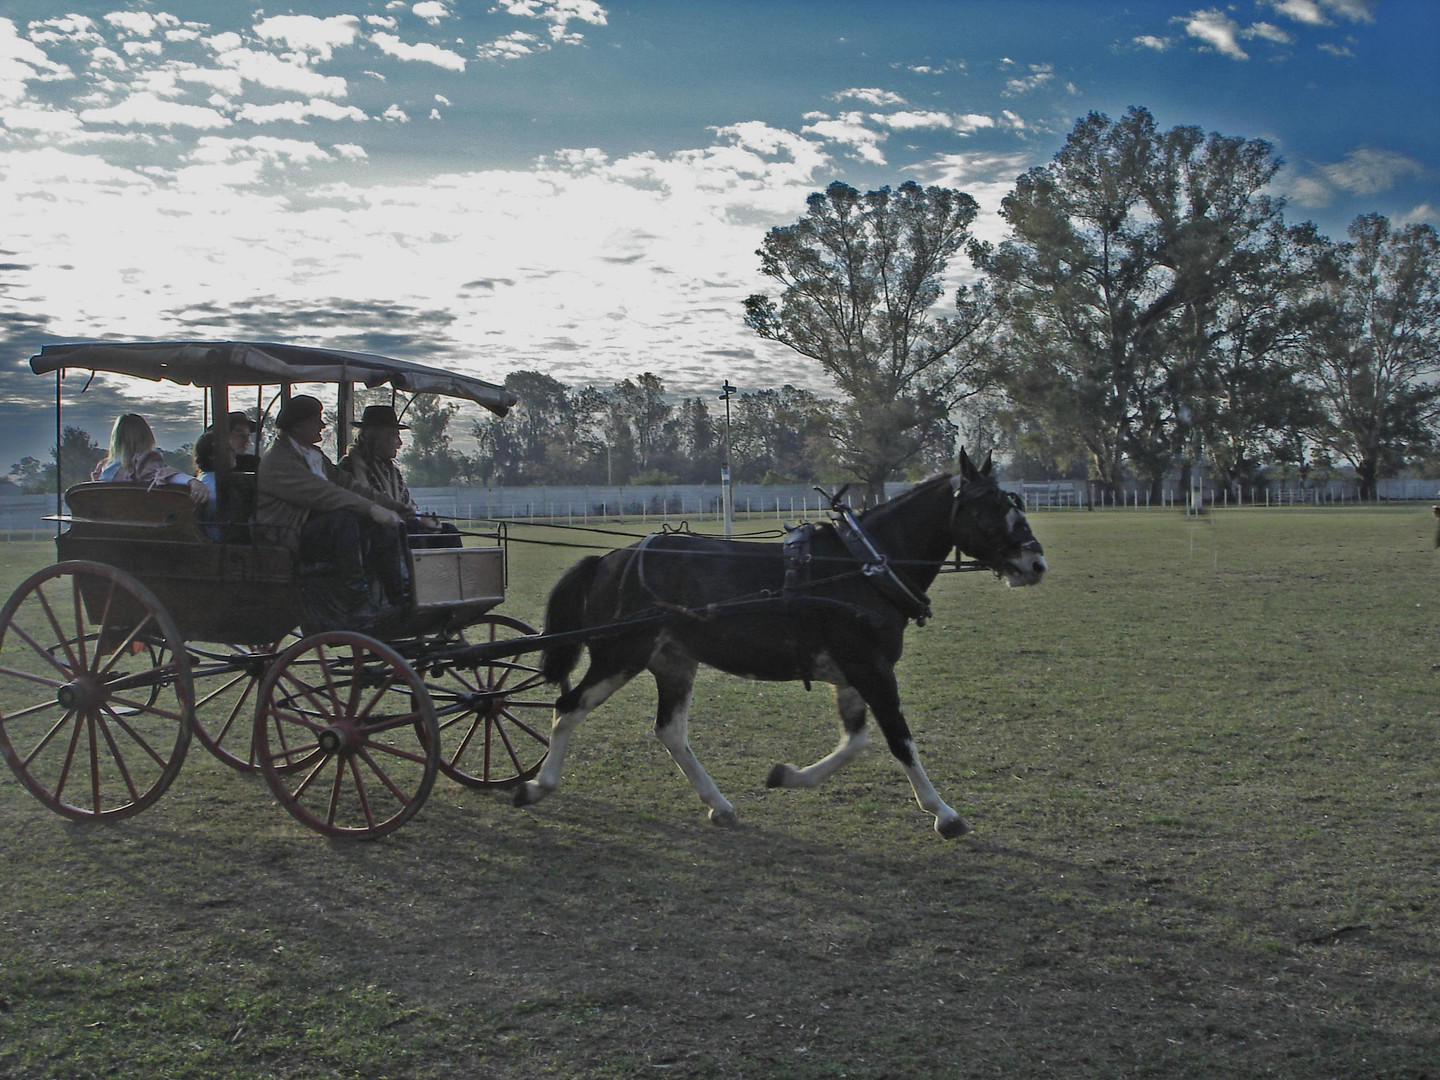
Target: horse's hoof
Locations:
point(526, 794)
point(725, 819)
point(954, 828)
point(779, 776)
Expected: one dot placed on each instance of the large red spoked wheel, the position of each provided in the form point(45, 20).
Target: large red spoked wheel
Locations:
point(96, 702)
point(226, 680)
point(494, 715)
point(345, 735)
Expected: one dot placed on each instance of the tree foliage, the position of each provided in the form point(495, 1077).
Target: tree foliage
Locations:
point(1369, 344)
point(1119, 277)
point(859, 276)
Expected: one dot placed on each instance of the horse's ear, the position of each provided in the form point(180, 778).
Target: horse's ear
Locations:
point(967, 467)
point(985, 469)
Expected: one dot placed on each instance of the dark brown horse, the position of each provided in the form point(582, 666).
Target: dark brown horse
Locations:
point(835, 612)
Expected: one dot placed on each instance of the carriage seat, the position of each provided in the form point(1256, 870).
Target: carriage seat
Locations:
point(131, 511)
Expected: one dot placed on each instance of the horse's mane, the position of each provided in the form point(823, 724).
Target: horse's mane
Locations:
point(905, 498)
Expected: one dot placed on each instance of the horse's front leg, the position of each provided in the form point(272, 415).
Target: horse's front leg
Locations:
point(675, 680)
point(877, 686)
point(852, 740)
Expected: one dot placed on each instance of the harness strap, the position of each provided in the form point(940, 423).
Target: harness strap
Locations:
point(877, 570)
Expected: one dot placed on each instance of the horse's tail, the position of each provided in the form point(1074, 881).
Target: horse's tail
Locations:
point(564, 612)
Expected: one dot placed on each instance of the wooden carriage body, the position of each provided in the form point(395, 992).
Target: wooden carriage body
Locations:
point(240, 589)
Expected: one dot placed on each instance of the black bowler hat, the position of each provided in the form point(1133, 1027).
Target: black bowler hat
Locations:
point(381, 416)
point(297, 410)
point(238, 420)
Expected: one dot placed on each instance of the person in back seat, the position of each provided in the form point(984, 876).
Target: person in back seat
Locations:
point(133, 456)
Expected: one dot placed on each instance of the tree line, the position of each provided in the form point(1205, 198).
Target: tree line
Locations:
point(1149, 308)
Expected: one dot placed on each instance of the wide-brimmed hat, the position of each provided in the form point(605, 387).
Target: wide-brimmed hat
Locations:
point(237, 420)
point(381, 416)
point(298, 409)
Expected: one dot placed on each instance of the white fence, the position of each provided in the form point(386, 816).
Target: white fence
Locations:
point(22, 517)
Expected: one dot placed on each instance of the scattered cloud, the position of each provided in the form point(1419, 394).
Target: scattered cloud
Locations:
point(1324, 12)
point(309, 33)
point(432, 11)
point(1215, 30)
point(1150, 41)
point(423, 52)
point(1040, 74)
point(146, 109)
point(871, 95)
point(1365, 171)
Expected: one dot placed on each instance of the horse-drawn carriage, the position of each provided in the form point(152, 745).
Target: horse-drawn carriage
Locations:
point(147, 631)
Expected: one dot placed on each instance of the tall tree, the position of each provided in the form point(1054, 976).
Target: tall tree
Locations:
point(781, 436)
point(429, 459)
point(1121, 253)
point(77, 454)
point(1371, 346)
point(859, 275)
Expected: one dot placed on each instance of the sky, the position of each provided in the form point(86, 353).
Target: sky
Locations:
point(579, 187)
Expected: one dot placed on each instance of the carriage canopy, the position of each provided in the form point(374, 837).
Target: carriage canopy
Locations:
point(248, 363)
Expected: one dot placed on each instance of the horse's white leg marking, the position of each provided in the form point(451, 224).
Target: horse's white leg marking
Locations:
point(948, 823)
point(548, 778)
point(853, 739)
point(851, 743)
point(673, 731)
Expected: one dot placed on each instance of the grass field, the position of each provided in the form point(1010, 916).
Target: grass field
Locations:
point(1201, 760)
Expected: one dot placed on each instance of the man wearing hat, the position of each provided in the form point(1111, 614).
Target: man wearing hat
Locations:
point(371, 460)
point(241, 428)
point(325, 515)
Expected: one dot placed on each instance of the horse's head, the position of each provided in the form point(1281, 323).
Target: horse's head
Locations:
point(988, 524)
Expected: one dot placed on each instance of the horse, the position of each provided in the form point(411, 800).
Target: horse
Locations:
point(836, 613)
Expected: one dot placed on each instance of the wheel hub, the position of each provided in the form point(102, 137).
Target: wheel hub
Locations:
point(334, 739)
point(80, 695)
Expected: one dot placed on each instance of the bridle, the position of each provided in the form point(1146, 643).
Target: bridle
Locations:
point(969, 492)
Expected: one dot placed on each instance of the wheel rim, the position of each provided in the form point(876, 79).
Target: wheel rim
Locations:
point(345, 735)
point(227, 681)
point(494, 716)
point(96, 701)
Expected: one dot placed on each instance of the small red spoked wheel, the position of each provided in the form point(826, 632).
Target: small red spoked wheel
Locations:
point(96, 702)
point(226, 679)
point(345, 735)
point(494, 715)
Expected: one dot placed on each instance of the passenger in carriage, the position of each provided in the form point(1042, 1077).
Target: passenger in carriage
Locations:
point(371, 460)
point(241, 428)
point(324, 515)
point(134, 457)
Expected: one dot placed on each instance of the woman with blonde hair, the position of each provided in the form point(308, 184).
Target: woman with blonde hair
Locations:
point(134, 457)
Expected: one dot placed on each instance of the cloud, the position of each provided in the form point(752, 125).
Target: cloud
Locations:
point(559, 14)
point(300, 112)
point(146, 109)
point(424, 52)
point(1365, 171)
point(511, 47)
point(310, 33)
point(1320, 12)
point(212, 149)
point(1150, 41)
point(432, 11)
point(872, 95)
point(1369, 171)
point(849, 129)
point(915, 120)
point(1040, 74)
point(22, 62)
point(1215, 30)
point(273, 73)
point(139, 23)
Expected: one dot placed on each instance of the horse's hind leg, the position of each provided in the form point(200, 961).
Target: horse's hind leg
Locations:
point(675, 680)
point(852, 741)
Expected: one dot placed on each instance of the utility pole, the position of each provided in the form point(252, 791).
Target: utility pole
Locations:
point(727, 501)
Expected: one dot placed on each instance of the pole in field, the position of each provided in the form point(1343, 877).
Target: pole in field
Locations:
point(726, 498)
